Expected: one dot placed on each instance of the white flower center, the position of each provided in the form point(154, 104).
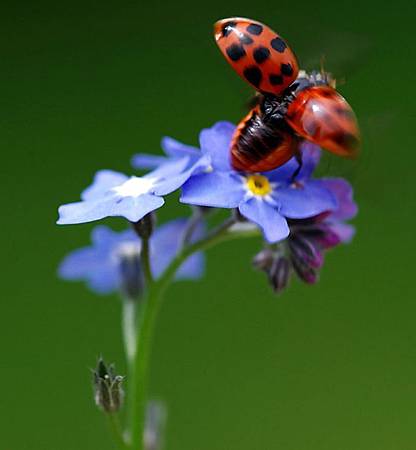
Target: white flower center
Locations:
point(135, 186)
point(129, 249)
point(126, 250)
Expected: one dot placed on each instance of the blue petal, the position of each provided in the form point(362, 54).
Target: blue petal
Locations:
point(105, 280)
point(103, 236)
point(104, 180)
point(172, 147)
point(172, 167)
point(94, 266)
point(192, 269)
point(345, 231)
point(132, 208)
point(284, 173)
point(299, 201)
point(343, 192)
point(80, 263)
point(164, 245)
point(147, 161)
point(217, 189)
point(273, 225)
point(215, 142)
point(311, 155)
point(176, 180)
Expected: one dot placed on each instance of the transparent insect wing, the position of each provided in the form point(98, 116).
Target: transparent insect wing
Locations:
point(258, 54)
point(321, 115)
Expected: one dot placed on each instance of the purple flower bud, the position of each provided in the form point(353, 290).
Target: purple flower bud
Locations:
point(306, 251)
point(279, 274)
point(304, 271)
point(328, 238)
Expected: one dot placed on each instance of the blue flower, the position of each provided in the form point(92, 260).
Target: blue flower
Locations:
point(115, 194)
point(112, 262)
point(266, 199)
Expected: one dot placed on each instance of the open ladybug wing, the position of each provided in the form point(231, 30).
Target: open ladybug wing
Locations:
point(257, 54)
point(322, 116)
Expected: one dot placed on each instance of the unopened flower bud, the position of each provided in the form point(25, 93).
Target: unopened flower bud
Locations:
point(108, 388)
point(306, 251)
point(131, 274)
point(154, 425)
point(279, 274)
point(145, 226)
point(264, 259)
point(327, 238)
point(304, 271)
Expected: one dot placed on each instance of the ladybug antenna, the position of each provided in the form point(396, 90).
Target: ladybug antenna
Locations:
point(327, 76)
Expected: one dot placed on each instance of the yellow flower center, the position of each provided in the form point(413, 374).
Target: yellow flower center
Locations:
point(258, 185)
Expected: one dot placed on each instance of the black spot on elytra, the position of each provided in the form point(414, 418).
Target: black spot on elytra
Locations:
point(286, 69)
point(261, 54)
point(346, 140)
point(326, 93)
point(278, 44)
point(245, 39)
point(344, 112)
point(275, 79)
point(235, 52)
point(227, 28)
point(253, 75)
point(255, 28)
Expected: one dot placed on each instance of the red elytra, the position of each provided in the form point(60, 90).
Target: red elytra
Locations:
point(322, 116)
point(316, 113)
point(258, 54)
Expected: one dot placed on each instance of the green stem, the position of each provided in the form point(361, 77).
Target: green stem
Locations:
point(148, 315)
point(193, 222)
point(117, 431)
point(129, 328)
point(139, 376)
point(145, 259)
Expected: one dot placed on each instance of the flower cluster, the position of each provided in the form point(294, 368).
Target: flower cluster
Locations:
point(299, 216)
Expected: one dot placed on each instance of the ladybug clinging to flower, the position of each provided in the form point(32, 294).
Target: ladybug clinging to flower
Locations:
point(292, 105)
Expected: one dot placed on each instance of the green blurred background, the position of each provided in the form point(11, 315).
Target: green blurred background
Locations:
point(87, 84)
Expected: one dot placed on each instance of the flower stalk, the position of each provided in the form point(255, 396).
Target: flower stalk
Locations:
point(149, 312)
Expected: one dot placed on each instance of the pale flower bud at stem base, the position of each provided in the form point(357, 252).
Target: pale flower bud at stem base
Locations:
point(108, 391)
point(264, 259)
point(154, 426)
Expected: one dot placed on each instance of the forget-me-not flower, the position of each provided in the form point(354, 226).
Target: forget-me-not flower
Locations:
point(112, 262)
point(268, 199)
point(115, 194)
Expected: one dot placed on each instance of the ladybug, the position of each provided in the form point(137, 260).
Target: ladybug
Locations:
point(291, 105)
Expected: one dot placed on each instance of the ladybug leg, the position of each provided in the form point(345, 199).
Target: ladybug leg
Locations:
point(298, 156)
